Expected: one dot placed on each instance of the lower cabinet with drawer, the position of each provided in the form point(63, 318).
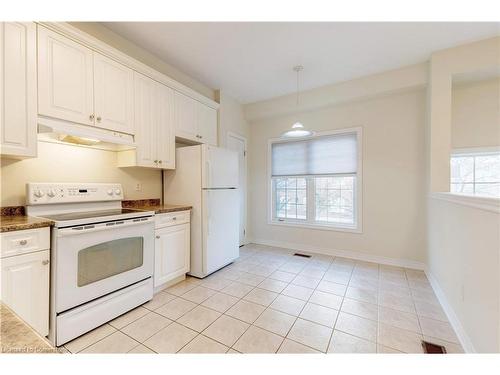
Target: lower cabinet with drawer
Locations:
point(25, 270)
point(172, 246)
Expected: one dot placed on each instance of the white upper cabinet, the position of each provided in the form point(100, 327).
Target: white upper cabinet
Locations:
point(207, 124)
point(79, 85)
point(194, 121)
point(65, 78)
point(145, 121)
point(113, 95)
point(18, 110)
point(185, 117)
point(154, 127)
point(166, 130)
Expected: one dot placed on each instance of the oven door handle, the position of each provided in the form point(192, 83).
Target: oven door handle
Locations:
point(91, 228)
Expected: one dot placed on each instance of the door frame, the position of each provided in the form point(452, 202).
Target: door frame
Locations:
point(230, 134)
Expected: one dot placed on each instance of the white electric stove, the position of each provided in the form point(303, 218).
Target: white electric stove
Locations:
point(101, 254)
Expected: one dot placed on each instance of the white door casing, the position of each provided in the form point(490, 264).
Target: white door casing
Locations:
point(238, 143)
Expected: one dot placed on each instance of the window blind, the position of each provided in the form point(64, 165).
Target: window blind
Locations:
point(329, 154)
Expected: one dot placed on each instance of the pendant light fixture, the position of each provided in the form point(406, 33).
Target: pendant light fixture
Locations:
point(297, 129)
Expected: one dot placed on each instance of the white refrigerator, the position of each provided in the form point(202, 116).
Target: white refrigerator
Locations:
point(206, 177)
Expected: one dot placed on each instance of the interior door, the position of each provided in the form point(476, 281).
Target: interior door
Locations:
point(114, 95)
point(220, 228)
point(145, 120)
point(65, 78)
point(219, 168)
point(238, 144)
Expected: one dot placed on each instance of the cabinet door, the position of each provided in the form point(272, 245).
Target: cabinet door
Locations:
point(172, 253)
point(145, 119)
point(65, 78)
point(185, 117)
point(207, 124)
point(25, 288)
point(166, 129)
point(113, 95)
point(18, 112)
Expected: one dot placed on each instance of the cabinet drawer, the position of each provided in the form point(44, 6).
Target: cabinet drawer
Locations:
point(172, 218)
point(24, 241)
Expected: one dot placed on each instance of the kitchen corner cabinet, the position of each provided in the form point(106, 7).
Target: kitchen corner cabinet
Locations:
point(18, 106)
point(25, 268)
point(172, 246)
point(80, 85)
point(194, 121)
point(154, 128)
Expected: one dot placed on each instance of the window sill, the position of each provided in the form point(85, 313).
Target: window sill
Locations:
point(339, 228)
point(482, 203)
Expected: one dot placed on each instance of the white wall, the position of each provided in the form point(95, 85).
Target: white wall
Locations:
point(393, 177)
point(475, 114)
point(67, 163)
point(124, 45)
point(464, 256)
point(463, 243)
point(231, 117)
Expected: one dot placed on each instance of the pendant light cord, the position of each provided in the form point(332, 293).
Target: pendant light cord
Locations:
point(297, 69)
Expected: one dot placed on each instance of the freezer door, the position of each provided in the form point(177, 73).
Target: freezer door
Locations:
point(219, 168)
point(220, 228)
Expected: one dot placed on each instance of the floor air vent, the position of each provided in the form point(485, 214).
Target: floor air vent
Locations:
point(431, 348)
point(301, 255)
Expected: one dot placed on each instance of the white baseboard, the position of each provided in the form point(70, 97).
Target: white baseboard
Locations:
point(464, 339)
point(406, 263)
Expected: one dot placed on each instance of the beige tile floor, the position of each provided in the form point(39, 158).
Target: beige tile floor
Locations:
point(269, 301)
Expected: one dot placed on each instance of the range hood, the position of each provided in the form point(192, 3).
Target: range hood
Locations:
point(59, 131)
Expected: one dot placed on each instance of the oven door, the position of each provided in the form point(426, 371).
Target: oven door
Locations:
point(94, 260)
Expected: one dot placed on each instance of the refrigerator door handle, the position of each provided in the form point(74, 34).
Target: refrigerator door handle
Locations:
point(209, 210)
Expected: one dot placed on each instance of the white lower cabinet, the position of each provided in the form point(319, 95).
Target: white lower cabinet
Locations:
point(172, 247)
point(25, 283)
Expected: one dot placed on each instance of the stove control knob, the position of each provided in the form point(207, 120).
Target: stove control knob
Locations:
point(118, 191)
point(39, 193)
point(51, 193)
point(110, 192)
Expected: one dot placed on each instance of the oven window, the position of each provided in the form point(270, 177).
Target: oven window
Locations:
point(108, 259)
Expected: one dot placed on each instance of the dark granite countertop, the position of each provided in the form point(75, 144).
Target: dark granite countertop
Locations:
point(14, 218)
point(154, 205)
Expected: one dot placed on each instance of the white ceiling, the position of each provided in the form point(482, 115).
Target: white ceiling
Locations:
point(253, 61)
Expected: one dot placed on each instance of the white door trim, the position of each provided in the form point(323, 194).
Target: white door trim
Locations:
point(230, 134)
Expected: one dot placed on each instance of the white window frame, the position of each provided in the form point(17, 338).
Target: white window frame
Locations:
point(472, 152)
point(358, 188)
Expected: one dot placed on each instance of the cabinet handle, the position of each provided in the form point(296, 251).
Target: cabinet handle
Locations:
point(158, 237)
point(201, 136)
point(45, 262)
point(156, 161)
point(23, 242)
point(159, 162)
point(98, 118)
point(174, 218)
point(91, 117)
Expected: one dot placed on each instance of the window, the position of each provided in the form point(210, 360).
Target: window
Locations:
point(314, 182)
point(476, 173)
